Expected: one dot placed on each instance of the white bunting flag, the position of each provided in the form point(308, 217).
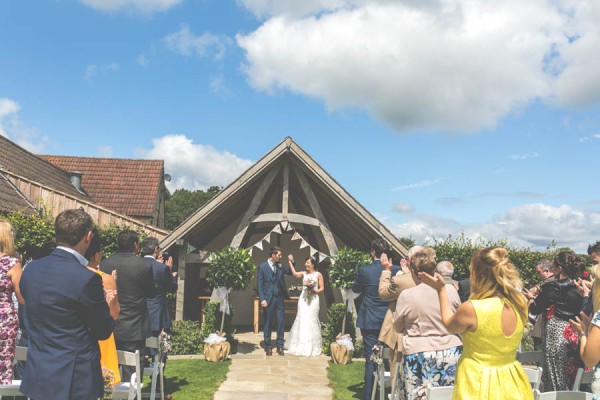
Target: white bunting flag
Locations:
point(285, 224)
point(296, 236)
point(303, 244)
point(250, 250)
point(277, 229)
point(258, 244)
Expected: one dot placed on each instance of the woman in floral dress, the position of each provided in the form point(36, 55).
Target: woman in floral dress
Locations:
point(10, 274)
point(305, 335)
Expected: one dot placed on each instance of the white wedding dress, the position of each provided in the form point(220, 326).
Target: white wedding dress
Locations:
point(305, 335)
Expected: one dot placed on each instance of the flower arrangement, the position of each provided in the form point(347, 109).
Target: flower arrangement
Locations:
point(377, 355)
point(295, 290)
point(109, 378)
point(163, 342)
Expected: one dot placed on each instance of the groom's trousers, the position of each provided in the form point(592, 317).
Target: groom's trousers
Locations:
point(274, 309)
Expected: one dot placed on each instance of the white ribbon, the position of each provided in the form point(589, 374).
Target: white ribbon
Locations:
point(214, 338)
point(349, 295)
point(345, 340)
point(221, 294)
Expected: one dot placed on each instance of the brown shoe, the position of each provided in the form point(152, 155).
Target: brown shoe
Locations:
point(269, 351)
point(280, 351)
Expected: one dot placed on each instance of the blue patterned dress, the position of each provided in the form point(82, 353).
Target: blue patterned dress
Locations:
point(9, 321)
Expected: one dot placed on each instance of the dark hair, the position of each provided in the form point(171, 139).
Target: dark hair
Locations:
point(594, 248)
point(313, 261)
point(273, 250)
point(126, 241)
point(70, 226)
point(95, 245)
point(148, 246)
point(379, 246)
point(571, 263)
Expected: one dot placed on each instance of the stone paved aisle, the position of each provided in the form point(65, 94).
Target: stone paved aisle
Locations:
point(254, 376)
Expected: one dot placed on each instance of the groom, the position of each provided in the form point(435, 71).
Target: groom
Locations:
point(271, 293)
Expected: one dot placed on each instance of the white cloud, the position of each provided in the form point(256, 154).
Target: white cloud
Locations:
point(105, 151)
point(585, 139)
point(417, 185)
point(219, 86)
point(186, 43)
point(403, 208)
point(92, 70)
point(12, 128)
point(439, 64)
point(530, 225)
point(525, 156)
point(139, 6)
point(195, 166)
point(142, 60)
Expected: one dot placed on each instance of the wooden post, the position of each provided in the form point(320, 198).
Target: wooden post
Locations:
point(181, 253)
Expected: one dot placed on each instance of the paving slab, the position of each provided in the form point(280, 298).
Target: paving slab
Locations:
point(254, 376)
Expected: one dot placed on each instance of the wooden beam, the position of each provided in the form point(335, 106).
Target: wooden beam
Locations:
point(293, 218)
point(198, 258)
point(316, 208)
point(181, 255)
point(286, 189)
point(258, 198)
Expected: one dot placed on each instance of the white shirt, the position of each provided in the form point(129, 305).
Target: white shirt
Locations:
point(79, 257)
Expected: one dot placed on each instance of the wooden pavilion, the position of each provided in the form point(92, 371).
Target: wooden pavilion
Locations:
point(284, 199)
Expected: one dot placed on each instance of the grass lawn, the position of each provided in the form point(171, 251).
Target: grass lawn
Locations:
point(347, 380)
point(192, 379)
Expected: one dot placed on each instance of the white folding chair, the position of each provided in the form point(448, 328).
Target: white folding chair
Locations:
point(12, 389)
point(561, 395)
point(382, 377)
point(157, 369)
point(530, 357)
point(582, 378)
point(132, 389)
point(535, 376)
point(439, 392)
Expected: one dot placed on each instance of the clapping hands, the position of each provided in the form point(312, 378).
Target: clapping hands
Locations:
point(582, 324)
point(436, 281)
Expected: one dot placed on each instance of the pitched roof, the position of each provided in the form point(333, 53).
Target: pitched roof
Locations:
point(11, 198)
point(124, 185)
point(24, 163)
point(312, 198)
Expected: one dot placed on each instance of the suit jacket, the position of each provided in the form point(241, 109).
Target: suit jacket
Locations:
point(267, 281)
point(135, 283)
point(66, 315)
point(158, 309)
point(372, 309)
point(390, 288)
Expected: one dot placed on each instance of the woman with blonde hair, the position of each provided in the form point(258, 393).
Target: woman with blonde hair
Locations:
point(588, 330)
point(491, 324)
point(10, 274)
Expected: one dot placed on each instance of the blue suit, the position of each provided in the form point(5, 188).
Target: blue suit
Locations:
point(66, 316)
point(158, 309)
point(370, 314)
point(272, 288)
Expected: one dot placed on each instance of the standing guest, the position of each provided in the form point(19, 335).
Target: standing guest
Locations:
point(594, 252)
point(372, 309)
point(559, 301)
point(446, 270)
point(10, 274)
point(108, 349)
point(67, 313)
point(134, 284)
point(491, 325)
point(545, 274)
point(588, 330)
point(271, 293)
point(165, 282)
point(389, 289)
point(430, 351)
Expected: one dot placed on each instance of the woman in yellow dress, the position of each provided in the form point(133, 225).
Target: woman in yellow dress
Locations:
point(491, 324)
point(108, 349)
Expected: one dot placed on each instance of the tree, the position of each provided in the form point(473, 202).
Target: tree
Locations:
point(183, 203)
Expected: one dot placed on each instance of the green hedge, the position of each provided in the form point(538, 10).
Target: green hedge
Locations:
point(333, 327)
point(186, 338)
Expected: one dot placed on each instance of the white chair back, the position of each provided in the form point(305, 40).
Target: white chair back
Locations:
point(582, 378)
point(132, 389)
point(20, 353)
point(439, 392)
point(530, 357)
point(157, 369)
point(12, 389)
point(534, 375)
point(561, 395)
point(381, 376)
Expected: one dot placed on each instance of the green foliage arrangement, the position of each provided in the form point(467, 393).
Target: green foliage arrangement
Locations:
point(186, 338)
point(209, 325)
point(183, 203)
point(34, 233)
point(343, 271)
point(335, 320)
point(232, 268)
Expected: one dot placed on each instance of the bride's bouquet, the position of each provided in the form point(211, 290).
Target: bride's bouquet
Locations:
point(311, 286)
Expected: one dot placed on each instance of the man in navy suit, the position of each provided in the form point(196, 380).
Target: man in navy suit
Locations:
point(67, 313)
point(165, 282)
point(372, 309)
point(271, 293)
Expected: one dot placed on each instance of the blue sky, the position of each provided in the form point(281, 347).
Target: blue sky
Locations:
point(439, 116)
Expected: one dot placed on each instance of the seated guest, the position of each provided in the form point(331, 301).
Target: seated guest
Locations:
point(67, 313)
point(558, 302)
point(108, 349)
point(430, 351)
point(491, 325)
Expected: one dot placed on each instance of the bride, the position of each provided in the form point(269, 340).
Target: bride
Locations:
point(305, 335)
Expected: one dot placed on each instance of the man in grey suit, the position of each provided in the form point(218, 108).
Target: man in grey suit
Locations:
point(271, 293)
point(372, 309)
point(135, 284)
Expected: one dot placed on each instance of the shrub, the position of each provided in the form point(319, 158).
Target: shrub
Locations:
point(343, 271)
point(186, 338)
point(333, 327)
point(212, 317)
point(109, 234)
point(34, 233)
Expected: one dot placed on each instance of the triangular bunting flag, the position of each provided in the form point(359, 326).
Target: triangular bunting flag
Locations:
point(285, 224)
point(296, 236)
point(258, 244)
point(267, 237)
point(277, 229)
point(312, 251)
point(303, 244)
point(250, 250)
